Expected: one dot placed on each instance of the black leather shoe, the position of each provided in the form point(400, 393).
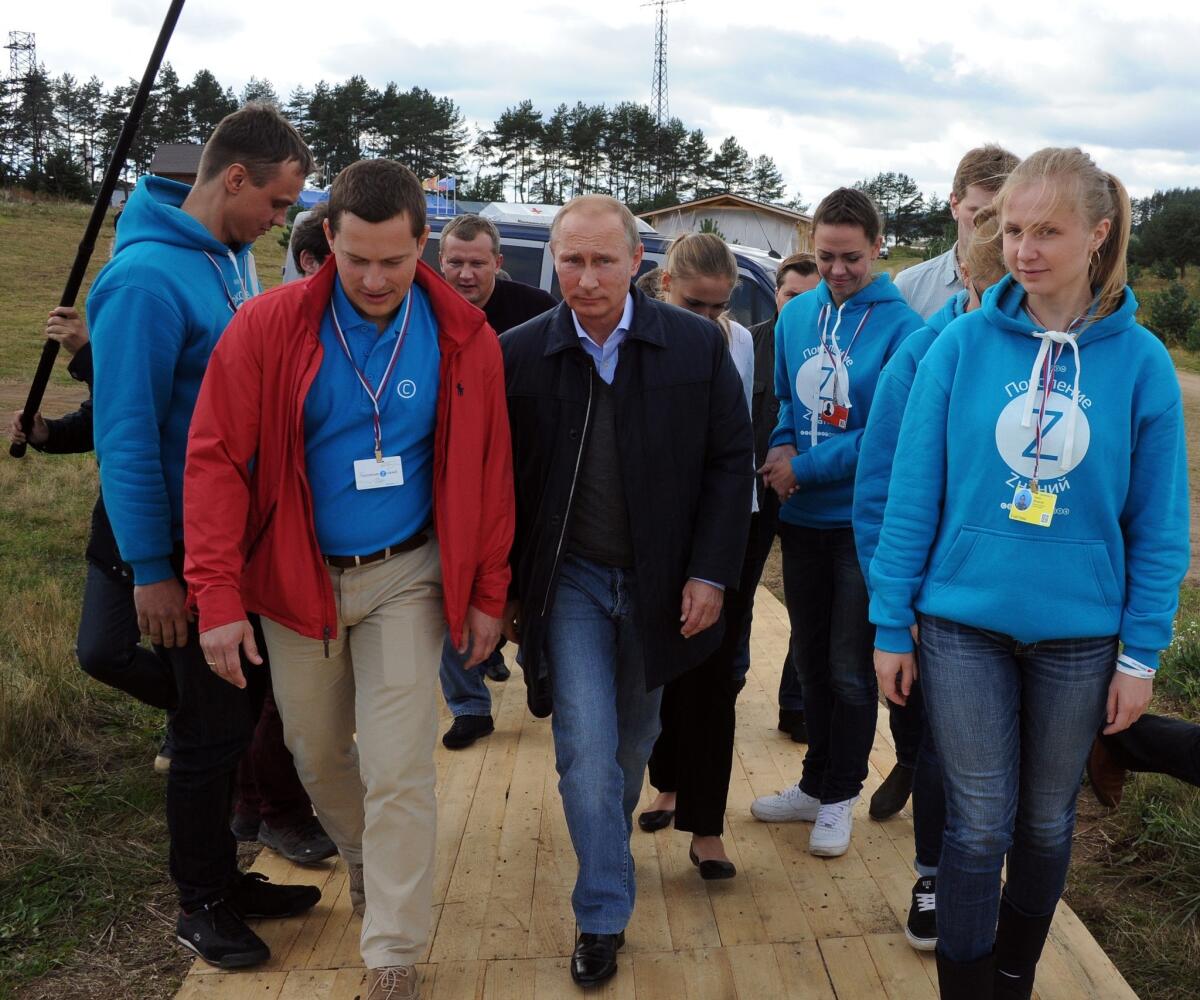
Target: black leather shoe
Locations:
point(595, 958)
point(497, 671)
point(800, 729)
point(788, 717)
point(710, 871)
point(465, 730)
point(655, 819)
point(890, 797)
point(255, 896)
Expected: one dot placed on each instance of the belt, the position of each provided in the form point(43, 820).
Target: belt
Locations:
point(350, 562)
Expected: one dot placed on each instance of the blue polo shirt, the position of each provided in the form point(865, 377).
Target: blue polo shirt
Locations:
point(339, 427)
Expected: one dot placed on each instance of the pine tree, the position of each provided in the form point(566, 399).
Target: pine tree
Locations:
point(731, 167)
point(766, 182)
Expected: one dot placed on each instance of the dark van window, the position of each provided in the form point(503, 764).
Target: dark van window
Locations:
point(750, 304)
point(430, 256)
point(523, 263)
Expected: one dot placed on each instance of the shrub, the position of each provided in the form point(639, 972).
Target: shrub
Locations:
point(1173, 314)
point(1134, 273)
point(1166, 270)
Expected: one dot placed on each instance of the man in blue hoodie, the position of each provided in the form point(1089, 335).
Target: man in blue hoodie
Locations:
point(831, 344)
point(179, 272)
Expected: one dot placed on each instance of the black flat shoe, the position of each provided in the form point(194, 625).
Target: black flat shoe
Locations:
point(656, 819)
point(711, 871)
point(595, 958)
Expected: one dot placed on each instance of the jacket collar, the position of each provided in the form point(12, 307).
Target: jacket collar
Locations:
point(458, 321)
point(647, 324)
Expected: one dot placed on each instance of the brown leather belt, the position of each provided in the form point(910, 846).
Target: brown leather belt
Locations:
point(351, 562)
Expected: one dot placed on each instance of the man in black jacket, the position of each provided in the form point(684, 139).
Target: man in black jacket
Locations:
point(632, 459)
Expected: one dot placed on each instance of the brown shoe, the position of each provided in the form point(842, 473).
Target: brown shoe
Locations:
point(399, 982)
point(1105, 775)
point(358, 892)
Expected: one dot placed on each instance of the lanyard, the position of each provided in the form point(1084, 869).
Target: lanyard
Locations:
point(375, 395)
point(838, 358)
point(1049, 365)
point(234, 304)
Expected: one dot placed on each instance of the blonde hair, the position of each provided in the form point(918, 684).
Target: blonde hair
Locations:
point(702, 255)
point(985, 167)
point(984, 257)
point(1097, 195)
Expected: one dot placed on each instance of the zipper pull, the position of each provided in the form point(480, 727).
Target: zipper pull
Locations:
point(327, 642)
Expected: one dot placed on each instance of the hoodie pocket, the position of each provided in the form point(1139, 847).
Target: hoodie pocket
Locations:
point(1064, 576)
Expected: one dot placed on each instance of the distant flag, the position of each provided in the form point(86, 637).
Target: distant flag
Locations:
point(430, 184)
point(446, 184)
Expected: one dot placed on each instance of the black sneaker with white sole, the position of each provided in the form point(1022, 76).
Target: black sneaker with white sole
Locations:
point(921, 929)
point(253, 896)
point(219, 935)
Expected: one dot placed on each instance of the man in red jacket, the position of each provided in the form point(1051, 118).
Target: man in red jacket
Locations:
point(349, 478)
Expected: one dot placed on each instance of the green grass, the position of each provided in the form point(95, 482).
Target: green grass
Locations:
point(84, 892)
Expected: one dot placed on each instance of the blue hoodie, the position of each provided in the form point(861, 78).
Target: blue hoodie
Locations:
point(883, 428)
point(1113, 557)
point(814, 364)
point(155, 312)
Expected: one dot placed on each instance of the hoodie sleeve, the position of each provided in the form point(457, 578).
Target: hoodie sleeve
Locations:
point(785, 427)
point(910, 519)
point(136, 341)
point(1155, 525)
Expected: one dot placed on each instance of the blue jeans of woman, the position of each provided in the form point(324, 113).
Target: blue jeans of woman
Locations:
point(831, 648)
point(1013, 723)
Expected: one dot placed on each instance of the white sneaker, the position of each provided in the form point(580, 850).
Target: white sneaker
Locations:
point(788, 806)
point(831, 832)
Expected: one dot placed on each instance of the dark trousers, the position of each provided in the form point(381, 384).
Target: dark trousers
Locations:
point(694, 751)
point(832, 648)
point(928, 795)
point(108, 645)
point(213, 725)
point(1159, 744)
point(758, 549)
point(907, 723)
point(268, 786)
point(791, 693)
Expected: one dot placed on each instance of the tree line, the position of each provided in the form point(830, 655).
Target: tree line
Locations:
point(57, 134)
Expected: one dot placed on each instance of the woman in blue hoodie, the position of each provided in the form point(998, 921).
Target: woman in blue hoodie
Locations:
point(830, 345)
point(1036, 523)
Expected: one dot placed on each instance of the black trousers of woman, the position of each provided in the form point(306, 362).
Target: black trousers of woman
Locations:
point(694, 751)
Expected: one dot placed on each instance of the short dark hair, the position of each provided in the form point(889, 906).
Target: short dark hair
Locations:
point(468, 228)
point(849, 207)
point(260, 139)
point(803, 263)
point(375, 191)
point(310, 235)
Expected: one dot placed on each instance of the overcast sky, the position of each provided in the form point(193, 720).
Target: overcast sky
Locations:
point(833, 91)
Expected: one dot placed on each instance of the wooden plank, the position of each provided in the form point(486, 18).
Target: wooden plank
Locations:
point(552, 927)
point(868, 905)
point(850, 968)
point(756, 971)
point(306, 984)
point(803, 970)
point(461, 925)
point(511, 980)
point(553, 981)
point(1092, 967)
point(232, 986)
point(656, 974)
point(649, 929)
point(906, 974)
point(706, 974)
point(689, 910)
point(352, 984)
point(459, 981)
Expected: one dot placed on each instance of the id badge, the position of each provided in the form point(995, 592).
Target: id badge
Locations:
point(835, 414)
point(1032, 507)
point(372, 475)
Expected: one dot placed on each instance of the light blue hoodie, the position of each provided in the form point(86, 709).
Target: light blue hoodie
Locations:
point(155, 312)
point(822, 352)
point(1113, 557)
point(883, 428)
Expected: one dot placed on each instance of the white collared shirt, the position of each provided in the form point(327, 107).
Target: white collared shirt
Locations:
point(606, 356)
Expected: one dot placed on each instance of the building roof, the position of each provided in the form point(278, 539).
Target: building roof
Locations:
point(177, 158)
point(727, 200)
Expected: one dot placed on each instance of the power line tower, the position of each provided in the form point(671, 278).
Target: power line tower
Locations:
point(22, 60)
point(658, 87)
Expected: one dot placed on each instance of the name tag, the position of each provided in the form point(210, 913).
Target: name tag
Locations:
point(1032, 507)
point(372, 475)
point(834, 414)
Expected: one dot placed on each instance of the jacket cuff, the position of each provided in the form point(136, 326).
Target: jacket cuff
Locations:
point(220, 606)
point(893, 640)
point(148, 571)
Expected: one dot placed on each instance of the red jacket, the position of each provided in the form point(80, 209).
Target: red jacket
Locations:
point(248, 524)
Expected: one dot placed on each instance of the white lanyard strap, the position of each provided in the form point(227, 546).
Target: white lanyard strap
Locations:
point(1062, 339)
point(234, 304)
point(838, 359)
point(375, 395)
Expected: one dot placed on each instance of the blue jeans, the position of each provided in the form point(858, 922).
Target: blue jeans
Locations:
point(1013, 723)
point(605, 724)
point(465, 691)
point(832, 651)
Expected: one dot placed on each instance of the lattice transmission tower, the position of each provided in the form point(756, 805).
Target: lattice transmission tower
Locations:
point(658, 87)
point(22, 60)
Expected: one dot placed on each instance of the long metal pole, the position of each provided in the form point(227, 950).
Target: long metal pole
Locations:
point(87, 244)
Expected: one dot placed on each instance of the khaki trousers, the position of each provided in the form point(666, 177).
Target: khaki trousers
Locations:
point(376, 798)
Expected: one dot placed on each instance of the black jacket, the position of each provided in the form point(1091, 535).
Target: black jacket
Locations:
point(684, 439)
point(71, 434)
point(764, 409)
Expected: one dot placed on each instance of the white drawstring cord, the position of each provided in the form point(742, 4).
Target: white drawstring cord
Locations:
point(1047, 338)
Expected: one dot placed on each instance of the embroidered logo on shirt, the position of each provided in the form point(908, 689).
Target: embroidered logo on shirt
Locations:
point(406, 389)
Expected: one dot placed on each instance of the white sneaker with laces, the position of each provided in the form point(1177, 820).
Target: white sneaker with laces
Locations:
point(831, 831)
point(789, 806)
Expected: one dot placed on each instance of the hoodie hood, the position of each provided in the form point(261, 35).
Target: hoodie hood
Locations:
point(955, 306)
point(154, 214)
point(878, 290)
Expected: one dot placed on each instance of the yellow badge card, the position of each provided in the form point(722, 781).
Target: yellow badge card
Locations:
point(1032, 507)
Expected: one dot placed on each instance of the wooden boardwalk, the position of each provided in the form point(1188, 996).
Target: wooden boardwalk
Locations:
point(789, 926)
